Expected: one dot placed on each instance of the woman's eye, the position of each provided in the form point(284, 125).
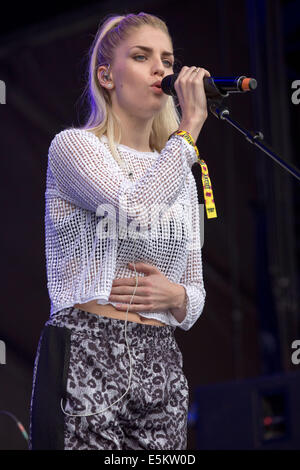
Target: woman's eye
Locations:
point(138, 56)
point(169, 63)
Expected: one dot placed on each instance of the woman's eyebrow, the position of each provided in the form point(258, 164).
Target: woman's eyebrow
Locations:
point(149, 49)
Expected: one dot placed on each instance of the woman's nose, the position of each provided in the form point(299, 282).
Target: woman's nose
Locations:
point(159, 68)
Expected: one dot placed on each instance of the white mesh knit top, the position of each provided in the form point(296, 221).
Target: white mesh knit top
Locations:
point(100, 216)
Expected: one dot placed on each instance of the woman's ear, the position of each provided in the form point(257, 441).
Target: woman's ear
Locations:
point(103, 76)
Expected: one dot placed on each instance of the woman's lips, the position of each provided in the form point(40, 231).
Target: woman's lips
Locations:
point(157, 89)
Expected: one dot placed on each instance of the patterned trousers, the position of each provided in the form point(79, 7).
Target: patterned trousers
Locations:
point(82, 366)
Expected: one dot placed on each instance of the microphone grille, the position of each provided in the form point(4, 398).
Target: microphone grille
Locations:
point(167, 84)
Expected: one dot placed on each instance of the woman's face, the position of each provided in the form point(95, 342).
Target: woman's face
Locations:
point(134, 71)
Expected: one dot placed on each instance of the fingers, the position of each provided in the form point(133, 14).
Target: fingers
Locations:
point(128, 291)
point(192, 72)
point(134, 308)
point(189, 76)
point(190, 91)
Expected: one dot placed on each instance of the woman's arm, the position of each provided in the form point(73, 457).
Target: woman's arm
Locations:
point(189, 310)
point(84, 175)
point(180, 299)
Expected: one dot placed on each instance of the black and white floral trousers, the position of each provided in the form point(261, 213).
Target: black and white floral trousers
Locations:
point(82, 366)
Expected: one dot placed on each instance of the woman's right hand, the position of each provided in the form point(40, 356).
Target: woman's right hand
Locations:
point(190, 91)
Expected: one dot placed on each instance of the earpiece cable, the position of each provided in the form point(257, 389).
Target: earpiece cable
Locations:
point(130, 372)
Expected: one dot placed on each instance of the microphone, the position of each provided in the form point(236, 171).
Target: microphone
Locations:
point(214, 86)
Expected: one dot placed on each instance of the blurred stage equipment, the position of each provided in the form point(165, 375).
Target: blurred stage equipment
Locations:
point(260, 413)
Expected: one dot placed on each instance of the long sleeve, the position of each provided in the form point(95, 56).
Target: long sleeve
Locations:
point(192, 278)
point(87, 175)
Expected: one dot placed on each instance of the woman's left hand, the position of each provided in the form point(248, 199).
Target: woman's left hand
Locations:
point(154, 293)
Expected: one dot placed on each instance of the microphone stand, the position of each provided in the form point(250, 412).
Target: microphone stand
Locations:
point(256, 138)
point(214, 99)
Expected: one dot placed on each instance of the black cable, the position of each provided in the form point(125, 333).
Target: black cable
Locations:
point(18, 423)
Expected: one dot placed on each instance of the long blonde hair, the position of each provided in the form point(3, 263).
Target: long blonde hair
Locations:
point(100, 117)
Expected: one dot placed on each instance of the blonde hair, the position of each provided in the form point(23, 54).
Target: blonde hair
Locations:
point(101, 119)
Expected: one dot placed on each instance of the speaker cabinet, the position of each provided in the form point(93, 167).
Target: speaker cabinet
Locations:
point(260, 413)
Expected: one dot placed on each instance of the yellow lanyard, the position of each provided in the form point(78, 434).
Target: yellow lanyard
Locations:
point(207, 190)
point(206, 183)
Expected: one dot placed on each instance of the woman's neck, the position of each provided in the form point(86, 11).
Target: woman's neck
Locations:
point(135, 133)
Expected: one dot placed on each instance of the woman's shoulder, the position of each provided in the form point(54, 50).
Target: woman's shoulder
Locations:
point(77, 136)
point(77, 131)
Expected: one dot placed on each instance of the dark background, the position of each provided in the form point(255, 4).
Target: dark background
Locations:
point(251, 251)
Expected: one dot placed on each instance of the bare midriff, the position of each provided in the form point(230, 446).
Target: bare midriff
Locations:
point(111, 312)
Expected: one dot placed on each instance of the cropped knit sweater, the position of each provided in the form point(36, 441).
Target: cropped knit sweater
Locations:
point(99, 216)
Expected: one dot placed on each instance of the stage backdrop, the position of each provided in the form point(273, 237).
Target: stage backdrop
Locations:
point(251, 251)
